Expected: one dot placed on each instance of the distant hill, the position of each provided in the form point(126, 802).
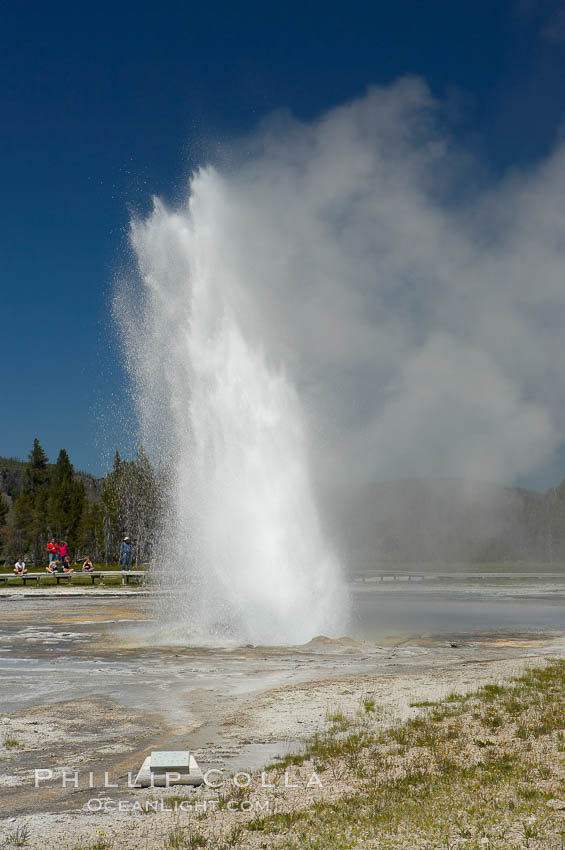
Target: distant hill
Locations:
point(428, 521)
point(12, 471)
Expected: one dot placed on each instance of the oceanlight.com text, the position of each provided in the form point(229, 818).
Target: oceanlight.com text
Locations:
point(162, 804)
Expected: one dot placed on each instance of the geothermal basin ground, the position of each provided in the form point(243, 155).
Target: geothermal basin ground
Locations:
point(91, 682)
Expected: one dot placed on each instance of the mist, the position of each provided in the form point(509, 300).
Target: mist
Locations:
point(414, 303)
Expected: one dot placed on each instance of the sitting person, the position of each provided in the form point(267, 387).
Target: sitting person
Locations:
point(20, 567)
point(66, 565)
point(87, 565)
point(54, 567)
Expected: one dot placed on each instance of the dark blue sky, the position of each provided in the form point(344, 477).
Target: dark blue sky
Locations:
point(105, 104)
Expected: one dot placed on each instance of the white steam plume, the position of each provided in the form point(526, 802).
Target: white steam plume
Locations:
point(416, 308)
point(421, 323)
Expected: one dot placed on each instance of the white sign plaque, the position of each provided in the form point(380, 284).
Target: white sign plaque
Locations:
point(162, 760)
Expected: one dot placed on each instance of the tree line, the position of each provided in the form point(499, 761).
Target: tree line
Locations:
point(394, 522)
point(42, 500)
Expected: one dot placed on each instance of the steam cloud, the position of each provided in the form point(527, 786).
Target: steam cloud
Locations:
point(420, 320)
point(416, 306)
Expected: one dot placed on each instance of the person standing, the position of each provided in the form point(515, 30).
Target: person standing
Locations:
point(52, 549)
point(125, 553)
point(63, 551)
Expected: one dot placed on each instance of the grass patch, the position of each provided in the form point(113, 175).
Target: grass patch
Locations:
point(465, 772)
point(185, 838)
point(100, 844)
point(468, 768)
point(19, 837)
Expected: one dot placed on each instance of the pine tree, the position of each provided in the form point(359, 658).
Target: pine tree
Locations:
point(144, 520)
point(30, 507)
point(109, 497)
point(4, 509)
point(91, 531)
point(131, 499)
point(66, 501)
point(37, 473)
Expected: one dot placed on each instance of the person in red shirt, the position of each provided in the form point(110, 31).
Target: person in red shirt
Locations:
point(52, 550)
point(63, 551)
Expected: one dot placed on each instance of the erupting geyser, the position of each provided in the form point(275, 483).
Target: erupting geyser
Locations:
point(342, 307)
point(243, 543)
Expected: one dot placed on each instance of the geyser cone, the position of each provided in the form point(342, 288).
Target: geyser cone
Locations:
point(243, 545)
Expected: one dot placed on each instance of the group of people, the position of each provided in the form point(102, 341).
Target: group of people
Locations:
point(59, 559)
point(58, 554)
point(59, 562)
point(55, 566)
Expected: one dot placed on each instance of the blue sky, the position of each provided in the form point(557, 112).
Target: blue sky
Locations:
point(105, 105)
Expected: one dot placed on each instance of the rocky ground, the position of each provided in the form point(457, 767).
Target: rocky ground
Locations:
point(99, 735)
point(87, 690)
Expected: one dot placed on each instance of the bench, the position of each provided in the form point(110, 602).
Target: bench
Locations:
point(5, 577)
point(25, 578)
point(137, 576)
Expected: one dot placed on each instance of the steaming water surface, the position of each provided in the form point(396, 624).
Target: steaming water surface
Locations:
point(458, 613)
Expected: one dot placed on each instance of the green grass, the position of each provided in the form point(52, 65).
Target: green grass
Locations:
point(19, 837)
point(463, 770)
point(99, 844)
point(184, 838)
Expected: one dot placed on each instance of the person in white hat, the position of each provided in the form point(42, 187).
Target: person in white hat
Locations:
point(125, 553)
